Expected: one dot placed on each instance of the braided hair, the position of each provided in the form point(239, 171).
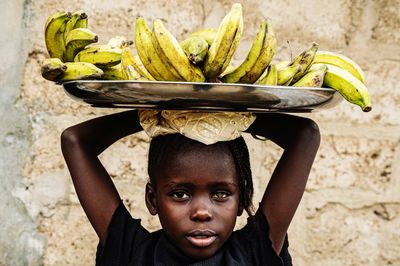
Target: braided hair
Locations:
point(172, 144)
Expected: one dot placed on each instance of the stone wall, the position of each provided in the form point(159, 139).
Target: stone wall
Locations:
point(350, 211)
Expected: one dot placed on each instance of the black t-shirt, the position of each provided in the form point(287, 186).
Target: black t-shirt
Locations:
point(128, 243)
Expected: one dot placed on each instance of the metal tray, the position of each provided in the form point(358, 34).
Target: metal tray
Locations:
point(201, 96)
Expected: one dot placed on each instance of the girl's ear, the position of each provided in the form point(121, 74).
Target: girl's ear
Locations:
point(151, 199)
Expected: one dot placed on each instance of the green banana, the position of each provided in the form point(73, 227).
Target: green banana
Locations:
point(77, 40)
point(314, 78)
point(195, 48)
point(207, 34)
point(101, 55)
point(71, 23)
point(305, 59)
point(54, 34)
point(351, 88)
point(80, 70)
point(168, 47)
point(258, 58)
point(113, 73)
point(269, 77)
point(119, 42)
point(52, 68)
point(130, 69)
point(148, 54)
point(140, 68)
point(286, 74)
point(225, 43)
point(341, 61)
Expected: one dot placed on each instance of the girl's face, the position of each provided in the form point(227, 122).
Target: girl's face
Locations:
point(197, 200)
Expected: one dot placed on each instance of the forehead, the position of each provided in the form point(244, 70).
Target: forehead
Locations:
point(213, 163)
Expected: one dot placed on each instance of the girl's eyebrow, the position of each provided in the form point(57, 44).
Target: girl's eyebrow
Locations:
point(190, 185)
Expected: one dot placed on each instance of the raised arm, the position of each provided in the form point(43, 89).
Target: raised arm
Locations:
point(81, 144)
point(300, 138)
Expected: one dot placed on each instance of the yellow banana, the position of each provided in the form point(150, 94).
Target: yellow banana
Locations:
point(314, 78)
point(71, 23)
point(195, 48)
point(140, 68)
point(82, 22)
point(207, 34)
point(282, 64)
point(305, 60)
point(54, 34)
point(225, 43)
point(168, 46)
point(286, 74)
point(80, 70)
point(258, 58)
point(164, 57)
point(128, 65)
point(269, 77)
point(148, 54)
point(119, 42)
point(101, 55)
point(52, 68)
point(341, 61)
point(78, 39)
point(113, 73)
point(351, 88)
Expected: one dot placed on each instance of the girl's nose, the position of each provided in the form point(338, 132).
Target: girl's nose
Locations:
point(201, 212)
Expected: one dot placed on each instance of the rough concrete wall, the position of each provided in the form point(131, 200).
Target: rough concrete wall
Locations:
point(349, 214)
point(20, 244)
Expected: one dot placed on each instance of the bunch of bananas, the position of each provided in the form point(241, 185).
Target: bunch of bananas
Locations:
point(75, 54)
point(205, 56)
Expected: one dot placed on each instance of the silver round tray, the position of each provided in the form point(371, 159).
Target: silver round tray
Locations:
point(201, 96)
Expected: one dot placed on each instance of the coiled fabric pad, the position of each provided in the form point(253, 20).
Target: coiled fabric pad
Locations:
point(205, 127)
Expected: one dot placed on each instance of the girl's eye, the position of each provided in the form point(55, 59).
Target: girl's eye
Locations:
point(179, 195)
point(220, 195)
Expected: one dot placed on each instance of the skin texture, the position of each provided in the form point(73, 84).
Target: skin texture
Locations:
point(196, 191)
point(298, 137)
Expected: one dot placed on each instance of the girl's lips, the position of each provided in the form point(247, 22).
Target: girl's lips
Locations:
point(201, 238)
point(201, 241)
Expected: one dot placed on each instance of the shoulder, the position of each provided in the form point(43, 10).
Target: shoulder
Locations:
point(253, 239)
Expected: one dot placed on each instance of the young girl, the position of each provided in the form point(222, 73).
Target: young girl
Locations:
point(196, 190)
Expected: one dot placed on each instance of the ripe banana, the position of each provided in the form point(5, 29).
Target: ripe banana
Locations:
point(341, 61)
point(113, 73)
point(225, 43)
point(82, 22)
point(269, 77)
point(195, 48)
point(80, 70)
point(140, 68)
point(314, 78)
point(208, 34)
point(351, 88)
point(119, 42)
point(130, 67)
point(286, 74)
point(168, 47)
point(54, 34)
point(282, 64)
point(258, 58)
point(305, 60)
point(101, 55)
point(71, 23)
point(148, 54)
point(78, 39)
point(52, 68)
